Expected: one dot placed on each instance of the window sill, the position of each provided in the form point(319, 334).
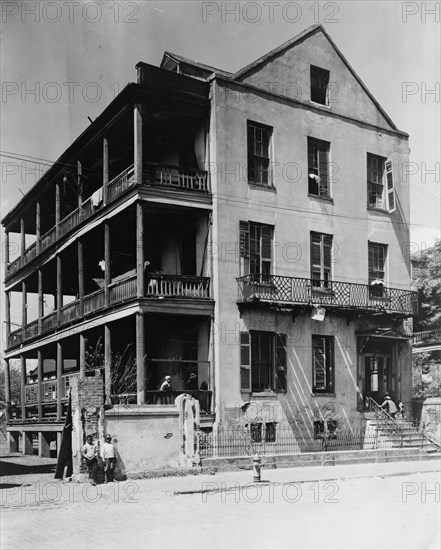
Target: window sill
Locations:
point(327, 199)
point(267, 393)
point(262, 186)
point(376, 209)
point(324, 394)
point(322, 291)
point(316, 104)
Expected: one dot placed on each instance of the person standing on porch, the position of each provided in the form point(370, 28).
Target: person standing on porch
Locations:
point(167, 388)
point(389, 406)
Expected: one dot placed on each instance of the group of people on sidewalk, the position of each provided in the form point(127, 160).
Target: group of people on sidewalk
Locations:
point(90, 453)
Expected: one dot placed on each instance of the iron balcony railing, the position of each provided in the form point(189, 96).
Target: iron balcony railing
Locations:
point(179, 177)
point(333, 294)
point(158, 286)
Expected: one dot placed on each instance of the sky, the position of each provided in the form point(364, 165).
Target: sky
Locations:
point(62, 62)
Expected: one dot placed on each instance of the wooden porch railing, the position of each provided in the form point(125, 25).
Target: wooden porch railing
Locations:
point(337, 294)
point(123, 290)
point(121, 183)
point(157, 285)
point(94, 301)
point(177, 286)
point(176, 176)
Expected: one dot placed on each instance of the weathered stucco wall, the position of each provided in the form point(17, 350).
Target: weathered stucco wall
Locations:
point(294, 215)
point(145, 438)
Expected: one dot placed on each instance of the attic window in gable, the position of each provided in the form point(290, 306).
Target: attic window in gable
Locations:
point(319, 85)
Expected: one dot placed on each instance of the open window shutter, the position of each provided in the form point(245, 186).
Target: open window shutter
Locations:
point(245, 362)
point(323, 170)
point(327, 247)
point(244, 239)
point(266, 235)
point(319, 363)
point(315, 249)
point(390, 186)
point(280, 371)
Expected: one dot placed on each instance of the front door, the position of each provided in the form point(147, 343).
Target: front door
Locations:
point(378, 376)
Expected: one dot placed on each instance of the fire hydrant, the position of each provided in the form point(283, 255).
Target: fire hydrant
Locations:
point(257, 465)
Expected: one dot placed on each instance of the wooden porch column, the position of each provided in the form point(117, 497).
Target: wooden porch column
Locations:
point(59, 289)
point(80, 185)
point(23, 236)
point(7, 316)
point(59, 379)
point(80, 277)
point(23, 384)
point(107, 363)
point(107, 272)
point(24, 307)
point(139, 251)
point(40, 300)
point(82, 356)
point(40, 384)
point(140, 358)
point(105, 169)
point(57, 210)
point(37, 227)
point(7, 390)
point(6, 247)
point(137, 161)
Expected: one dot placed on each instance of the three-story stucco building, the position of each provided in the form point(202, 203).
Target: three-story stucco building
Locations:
point(244, 230)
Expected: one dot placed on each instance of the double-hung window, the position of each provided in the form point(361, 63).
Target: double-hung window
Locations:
point(318, 168)
point(263, 361)
point(259, 145)
point(323, 364)
point(377, 269)
point(321, 245)
point(380, 183)
point(256, 249)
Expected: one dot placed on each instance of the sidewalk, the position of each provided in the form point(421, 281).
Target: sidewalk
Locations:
point(48, 492)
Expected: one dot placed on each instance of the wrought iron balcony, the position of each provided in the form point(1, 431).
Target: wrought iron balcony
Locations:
point(330, 294)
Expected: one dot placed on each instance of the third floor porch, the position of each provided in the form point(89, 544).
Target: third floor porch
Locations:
point(152, 140)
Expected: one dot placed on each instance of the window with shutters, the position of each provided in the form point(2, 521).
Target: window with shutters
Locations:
point(377, 269)
point(263, 362)
point(319, 85)
point(380, 183)
point(259, 143)
point(322, 364)
point(318, 168)
point(321, 245)
point(256, 250)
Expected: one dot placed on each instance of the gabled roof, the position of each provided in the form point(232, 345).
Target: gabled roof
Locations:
point(299, 38)
point(202, 66)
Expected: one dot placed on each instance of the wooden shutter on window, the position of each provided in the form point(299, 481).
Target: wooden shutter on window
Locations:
point(280, 370)
point(327, 246)
point(319, 363)
point(323, 170)
point(390, 186)
point(244, 239)
point(245, 362)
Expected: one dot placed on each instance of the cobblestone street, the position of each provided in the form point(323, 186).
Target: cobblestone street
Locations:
point(393, 505)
